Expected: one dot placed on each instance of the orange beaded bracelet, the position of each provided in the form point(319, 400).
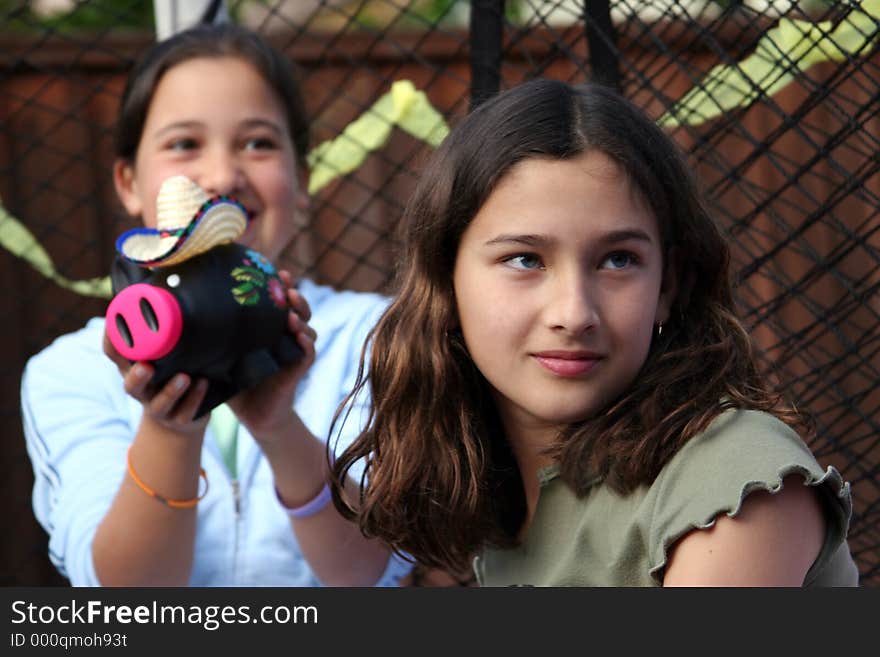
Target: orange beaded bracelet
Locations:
point(174, 504)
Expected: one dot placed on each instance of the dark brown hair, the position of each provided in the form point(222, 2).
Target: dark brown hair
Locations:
point(440, 479)
point(221, 40)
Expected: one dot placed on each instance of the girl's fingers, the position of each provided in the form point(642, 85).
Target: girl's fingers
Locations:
point(174, 403)
point(305, 337)
point(297, 325)
point(298, 303)
point(164, 401)
point(186, 409)
point(178, 397)
point(306, 340)
point(137, 380)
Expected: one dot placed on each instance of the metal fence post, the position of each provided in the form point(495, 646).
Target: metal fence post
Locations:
point(602, 42)
point(487, 18)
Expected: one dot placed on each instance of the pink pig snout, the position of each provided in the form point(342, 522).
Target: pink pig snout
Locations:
point(144, 322)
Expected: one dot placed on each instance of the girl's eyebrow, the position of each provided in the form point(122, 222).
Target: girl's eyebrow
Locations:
point(177, 125)
point(611, 237)
point(527, 240)
point(263, 123)
point(626, 234)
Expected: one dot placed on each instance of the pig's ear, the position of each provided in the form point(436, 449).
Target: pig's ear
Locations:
point(124, 273)
point(126, 187)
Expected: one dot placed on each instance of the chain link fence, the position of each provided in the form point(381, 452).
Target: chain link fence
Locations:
point(775, 102)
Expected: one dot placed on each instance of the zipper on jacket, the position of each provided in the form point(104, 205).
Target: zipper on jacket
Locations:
point(236, 497)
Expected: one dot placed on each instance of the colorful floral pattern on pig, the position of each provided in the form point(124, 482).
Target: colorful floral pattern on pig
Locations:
point(257, 273)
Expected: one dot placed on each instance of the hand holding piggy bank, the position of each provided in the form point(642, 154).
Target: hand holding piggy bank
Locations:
point(189, 300)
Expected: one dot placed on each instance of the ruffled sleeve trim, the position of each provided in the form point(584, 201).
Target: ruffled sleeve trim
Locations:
point(678, 511)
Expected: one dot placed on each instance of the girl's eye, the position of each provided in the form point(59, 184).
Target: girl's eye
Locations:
point(260, 144)
point(619, 260)
point(526, 261)
point(183, 144)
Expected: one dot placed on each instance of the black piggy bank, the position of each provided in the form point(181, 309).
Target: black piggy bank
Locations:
point(220, 315)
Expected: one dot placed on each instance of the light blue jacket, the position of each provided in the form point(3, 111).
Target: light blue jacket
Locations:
point(79, 423)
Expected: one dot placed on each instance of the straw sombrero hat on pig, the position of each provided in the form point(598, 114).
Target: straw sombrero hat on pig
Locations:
point(188, 222)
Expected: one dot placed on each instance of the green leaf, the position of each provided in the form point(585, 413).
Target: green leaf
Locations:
point(246, 294)
point(249, 274)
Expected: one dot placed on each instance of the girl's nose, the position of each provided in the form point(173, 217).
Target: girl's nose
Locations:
point(222, 174)
point(572, 307)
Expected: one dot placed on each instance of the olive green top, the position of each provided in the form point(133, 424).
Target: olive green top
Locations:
point(608, 539)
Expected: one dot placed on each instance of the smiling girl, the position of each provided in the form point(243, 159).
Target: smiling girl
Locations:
point(219, 106)
point(561, 387)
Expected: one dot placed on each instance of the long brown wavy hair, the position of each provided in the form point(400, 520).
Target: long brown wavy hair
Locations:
point(440, 480)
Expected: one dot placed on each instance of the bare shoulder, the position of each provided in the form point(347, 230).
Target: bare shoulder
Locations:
point(772, 541)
